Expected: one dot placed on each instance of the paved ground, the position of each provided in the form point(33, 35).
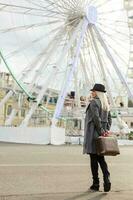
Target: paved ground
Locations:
point(33, 172)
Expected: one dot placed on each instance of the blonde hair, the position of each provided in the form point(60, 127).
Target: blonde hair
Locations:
point(104, 101)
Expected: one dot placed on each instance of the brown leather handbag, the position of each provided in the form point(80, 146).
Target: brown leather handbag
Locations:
point(107, 146)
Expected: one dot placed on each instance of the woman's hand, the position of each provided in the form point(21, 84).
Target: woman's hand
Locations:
point(105, 134)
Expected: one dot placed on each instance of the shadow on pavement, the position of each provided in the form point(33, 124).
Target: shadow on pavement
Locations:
point(88, 196)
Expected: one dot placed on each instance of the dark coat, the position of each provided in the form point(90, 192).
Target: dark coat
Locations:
point(96, 122)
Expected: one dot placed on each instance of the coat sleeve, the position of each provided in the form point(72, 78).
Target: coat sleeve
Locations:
point(96, 117)
point(109, 121)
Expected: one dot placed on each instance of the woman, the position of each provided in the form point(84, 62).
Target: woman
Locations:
point(97, 122)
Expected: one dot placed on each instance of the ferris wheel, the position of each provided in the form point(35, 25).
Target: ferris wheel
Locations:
point(64, 45)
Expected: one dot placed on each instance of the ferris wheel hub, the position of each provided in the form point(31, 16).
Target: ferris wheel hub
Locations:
point(91, 14)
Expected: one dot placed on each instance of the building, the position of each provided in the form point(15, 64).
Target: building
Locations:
point(42, 117)
point(7, 84)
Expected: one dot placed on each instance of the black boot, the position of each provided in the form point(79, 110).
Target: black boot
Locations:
point(107, 184)
point(94, 187)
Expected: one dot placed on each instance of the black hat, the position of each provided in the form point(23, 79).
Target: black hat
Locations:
point(98, 87)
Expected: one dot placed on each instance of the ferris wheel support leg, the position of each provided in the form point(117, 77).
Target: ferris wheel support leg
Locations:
point(123, 81)
point(14, 111)
point(90, 77)
point(91, 64)
point(77, 95)
point(5, 99)
point(51, 77)
point(70, 75)
point(8, 121)
point(39, 98)
point(105, 80)
point(88, 82)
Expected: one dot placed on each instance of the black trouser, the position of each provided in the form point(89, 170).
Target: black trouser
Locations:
point(95, 159)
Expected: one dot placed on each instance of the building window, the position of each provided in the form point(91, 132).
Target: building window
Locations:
point(22, 113)
point(75, 123)
point(50, 101)
point(45, 98)
point(131, 124)
point(55, 100)
point(9, 109)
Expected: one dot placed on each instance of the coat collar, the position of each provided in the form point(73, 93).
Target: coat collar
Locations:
point(96, 97)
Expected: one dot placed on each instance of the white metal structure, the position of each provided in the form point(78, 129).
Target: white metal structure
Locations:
point(129, 7)
point(86, 42)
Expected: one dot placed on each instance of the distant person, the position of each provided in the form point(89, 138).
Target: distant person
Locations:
point(97, 122)
point(121, 104)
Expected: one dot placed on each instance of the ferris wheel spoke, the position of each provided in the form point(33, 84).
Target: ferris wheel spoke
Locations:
point(32, 14)
point(52, 34)
point(59, 7)
point(105, 80)
point(113, 21)
point(104, 3)
point(71, 3)
point(21, 28)
point(110, 75)
point(99, 59)
point(21, 78)
point(31, 86)
point(56, 42)
point(116, 53)
point(51, 50)
point(20, 84)
point(61, 4)
point(39, 98)
point(123, 81)
point(44, 65)
point(48, 9)
point(109, 27)
point(40, 4)
point(66, 5)
point(118, 40)
point(92, 2)
point(85, 62)
point(111, 11)
point(28, 45)
point(33, 64)
point(114, 40)
point(94, 54)
point(26, 10)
